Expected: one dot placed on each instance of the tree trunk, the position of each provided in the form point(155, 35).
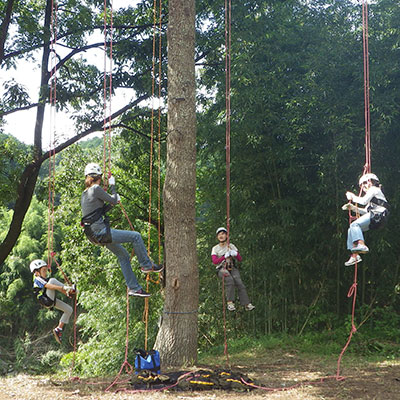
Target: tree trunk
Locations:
point(4, 27)
point(177, 338)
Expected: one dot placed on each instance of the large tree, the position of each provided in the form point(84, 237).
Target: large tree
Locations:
point(177, 337)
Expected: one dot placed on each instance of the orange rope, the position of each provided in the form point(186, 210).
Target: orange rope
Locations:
point(367, 168)
point(148, 279)
point(228, 14)
point(52, 155)
point(228, 31)
point(107, 92)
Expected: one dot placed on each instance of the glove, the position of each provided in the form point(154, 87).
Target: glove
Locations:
point(233, 253)
point(349, 196)
point(111, 180)
point(118, 198)
point(69, 289)
point(349, 206)
point(227, 254)
point(346, 206)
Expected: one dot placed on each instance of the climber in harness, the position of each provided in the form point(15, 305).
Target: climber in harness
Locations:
point(97, 228)
point(225, 258)
point(45, 291)
point(372, 216)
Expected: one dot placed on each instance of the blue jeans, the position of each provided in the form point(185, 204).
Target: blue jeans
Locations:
point(356, 230)
point(120, 236)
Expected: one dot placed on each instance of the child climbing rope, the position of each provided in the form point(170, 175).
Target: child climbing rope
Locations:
point(45, 291)
point(97, 229)
point(373, 216)
point(224, 256)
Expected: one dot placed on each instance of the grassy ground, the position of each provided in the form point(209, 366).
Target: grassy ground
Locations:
point(282, 371)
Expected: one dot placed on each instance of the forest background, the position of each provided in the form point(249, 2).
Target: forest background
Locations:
point(297, 146)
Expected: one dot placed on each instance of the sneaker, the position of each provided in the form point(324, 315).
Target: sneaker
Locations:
point(57, 334)
point(155, 268)
point(249, 307)
point(360, 248)
point(138, 293)
point(231, 306)
point(353, 260)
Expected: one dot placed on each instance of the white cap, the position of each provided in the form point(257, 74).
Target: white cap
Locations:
point(37, 264)
point(93, 169)
point(367, 177)
point(221, 229)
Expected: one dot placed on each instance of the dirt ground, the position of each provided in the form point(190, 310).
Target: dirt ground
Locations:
point(284, 376)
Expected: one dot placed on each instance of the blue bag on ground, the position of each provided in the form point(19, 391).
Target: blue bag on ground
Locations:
point(147, 360)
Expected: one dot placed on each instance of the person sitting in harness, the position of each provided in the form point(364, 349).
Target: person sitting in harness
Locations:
point(224, 256)
point(372, 216)
point(97, 229)
point(45, 291)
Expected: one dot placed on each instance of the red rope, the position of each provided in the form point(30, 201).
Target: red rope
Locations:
point(228, 31)
point(228, 14)
point(52, 154)
point(224, 319)
point(107, 92)
point(128, 367)
point(367, 168)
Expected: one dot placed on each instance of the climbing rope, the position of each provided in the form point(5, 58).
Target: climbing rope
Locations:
point(228, 31)
point(53, 128)
point(156, 28)
point(128, 367)
point(107, 90)
point(367, 168)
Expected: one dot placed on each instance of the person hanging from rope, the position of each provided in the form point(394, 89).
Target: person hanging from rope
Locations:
point(45, 291)
point(97, 229)
point(225, 258)
point(372, 216)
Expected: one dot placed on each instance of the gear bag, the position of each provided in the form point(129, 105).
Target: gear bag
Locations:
point(378, 218)
point(94, 216)
point(147, 361)
point(43, 299)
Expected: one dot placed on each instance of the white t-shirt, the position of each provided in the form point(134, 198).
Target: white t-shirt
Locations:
point(220, 251)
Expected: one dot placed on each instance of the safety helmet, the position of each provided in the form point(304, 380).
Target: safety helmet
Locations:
point(367, 177)
point(221, 229)
point(37, 264)
point(93, 169)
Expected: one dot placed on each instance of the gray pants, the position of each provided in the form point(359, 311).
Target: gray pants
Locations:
point(232, 281)
point(59, 304)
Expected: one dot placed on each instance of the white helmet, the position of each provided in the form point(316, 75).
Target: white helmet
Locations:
point(93, 169)
point(367, 177)
point(37, 264)
point(221, 229)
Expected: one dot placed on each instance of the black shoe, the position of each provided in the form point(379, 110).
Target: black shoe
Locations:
point(154, 268)
point(138, 293)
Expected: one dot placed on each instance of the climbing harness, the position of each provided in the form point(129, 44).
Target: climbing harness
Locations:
point(88, 220)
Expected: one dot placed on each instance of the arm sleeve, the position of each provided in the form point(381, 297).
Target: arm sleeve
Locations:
point(101, 194)
point(217, 260)
point(364, 200)
point(238, 257)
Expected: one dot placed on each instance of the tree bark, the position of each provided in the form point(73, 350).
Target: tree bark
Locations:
point(177, 337)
